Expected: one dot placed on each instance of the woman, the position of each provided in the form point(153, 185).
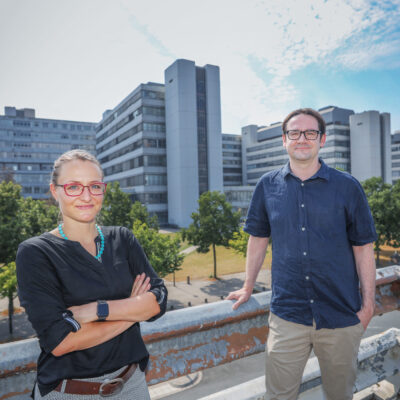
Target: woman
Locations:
point(85, 288)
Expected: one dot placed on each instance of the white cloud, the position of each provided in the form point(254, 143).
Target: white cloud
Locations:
point(77, 58)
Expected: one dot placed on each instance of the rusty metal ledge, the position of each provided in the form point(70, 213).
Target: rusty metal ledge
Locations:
point(195, 338)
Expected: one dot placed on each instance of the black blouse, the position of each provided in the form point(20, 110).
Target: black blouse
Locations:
point(54, 274)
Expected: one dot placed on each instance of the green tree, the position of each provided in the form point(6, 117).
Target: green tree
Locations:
point(38, 217)
point(239, 242)
point(116, 207)
point(10, 221)
point(139, 213)
point(8, 288)
point(384, 202)
point(162, 251)
point(213, 224)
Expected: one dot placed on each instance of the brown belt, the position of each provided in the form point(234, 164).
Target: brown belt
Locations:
point(107, 388)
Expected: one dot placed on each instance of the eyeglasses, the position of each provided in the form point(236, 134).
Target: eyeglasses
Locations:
point(76, 189)
point(309, 134)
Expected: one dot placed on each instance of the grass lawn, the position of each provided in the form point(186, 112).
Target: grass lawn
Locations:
point(201, 266)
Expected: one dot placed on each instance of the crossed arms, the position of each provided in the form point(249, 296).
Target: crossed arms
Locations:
point(140, 306)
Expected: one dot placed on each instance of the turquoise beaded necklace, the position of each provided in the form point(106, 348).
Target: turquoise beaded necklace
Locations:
point(63, 235)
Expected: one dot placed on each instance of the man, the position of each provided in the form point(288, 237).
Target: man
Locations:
point(322, 232)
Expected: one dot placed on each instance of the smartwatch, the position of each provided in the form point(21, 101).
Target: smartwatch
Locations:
point(102, 310)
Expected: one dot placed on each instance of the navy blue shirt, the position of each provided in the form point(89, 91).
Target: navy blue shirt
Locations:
point(313, 225)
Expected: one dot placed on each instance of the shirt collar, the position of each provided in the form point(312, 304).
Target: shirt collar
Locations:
point(322, 173)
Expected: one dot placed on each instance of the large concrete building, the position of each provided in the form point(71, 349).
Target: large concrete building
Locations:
point(131, 147)
point(194, 144)
point(163, 141)
point(29, 146)
point(232, 159)
point(396, 156)
point(371, 145)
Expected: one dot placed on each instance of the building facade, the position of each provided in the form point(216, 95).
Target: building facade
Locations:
point(371, 146)
point(395, 139)
point(29, 146)
point(262, 149)
point(131, 147)
point(194, 144)
point(232, 159)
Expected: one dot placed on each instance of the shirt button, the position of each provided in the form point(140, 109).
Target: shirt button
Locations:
point(302, 184)
point(311, 301)
point(303, 229)
point(307, 277)
point(302, 205)
point(304, 253)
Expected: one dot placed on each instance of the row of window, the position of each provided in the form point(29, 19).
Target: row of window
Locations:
point(236, 138)
point(35, 190)
point(26, 167)
point(146, 161)
point(395, 164)
point(147, 94)
point(147, 126)
point(144, 180)
point(44, 156)
point(231, 179)
point(51, 135)
point(232, 162)
point(54, 125)
point(130, 117)
point(231, 146)
point(150, 198)
point(119, 139)
point(268, 145)
point(231, 154)
point(141, 143)
point(232, 170)
point(243, 196)
point(32, 178)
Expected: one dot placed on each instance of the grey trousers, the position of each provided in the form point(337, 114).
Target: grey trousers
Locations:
point(134, 389)
point(288, 348)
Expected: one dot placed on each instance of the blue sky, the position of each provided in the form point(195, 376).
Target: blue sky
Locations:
point(74, 59)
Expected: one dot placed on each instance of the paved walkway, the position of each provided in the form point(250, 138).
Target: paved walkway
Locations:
point(179, 296)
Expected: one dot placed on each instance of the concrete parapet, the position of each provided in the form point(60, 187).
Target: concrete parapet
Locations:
point(191, 339)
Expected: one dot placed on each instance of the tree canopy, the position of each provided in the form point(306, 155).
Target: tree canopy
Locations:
point(384, 202)
point(162, 250)
point(213, 224)
point(116, 207)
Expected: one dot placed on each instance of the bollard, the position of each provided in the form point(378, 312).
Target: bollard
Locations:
point(189, 304)
point(188, 280)
point(205, 300)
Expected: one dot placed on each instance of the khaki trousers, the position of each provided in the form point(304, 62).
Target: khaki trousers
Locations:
point(288, 347)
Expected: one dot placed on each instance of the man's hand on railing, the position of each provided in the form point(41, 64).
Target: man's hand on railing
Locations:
point(241, 296)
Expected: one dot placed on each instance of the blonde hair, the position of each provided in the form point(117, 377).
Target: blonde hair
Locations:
point(70, 156)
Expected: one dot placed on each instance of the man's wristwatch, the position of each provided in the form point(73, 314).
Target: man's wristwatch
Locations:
point(102, 310)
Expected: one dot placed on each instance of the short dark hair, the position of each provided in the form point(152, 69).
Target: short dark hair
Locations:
point(306, 111)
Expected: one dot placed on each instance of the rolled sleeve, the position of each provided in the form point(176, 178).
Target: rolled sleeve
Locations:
point(360, 224)
point(257, 222)
point(139, 264)
point(40, 294)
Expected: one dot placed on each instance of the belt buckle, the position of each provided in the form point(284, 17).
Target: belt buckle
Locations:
point(116, 386)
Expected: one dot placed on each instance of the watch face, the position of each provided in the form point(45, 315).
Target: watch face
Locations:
point(102, 310)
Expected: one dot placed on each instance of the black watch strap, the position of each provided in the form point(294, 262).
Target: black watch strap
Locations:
point(102, 310)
